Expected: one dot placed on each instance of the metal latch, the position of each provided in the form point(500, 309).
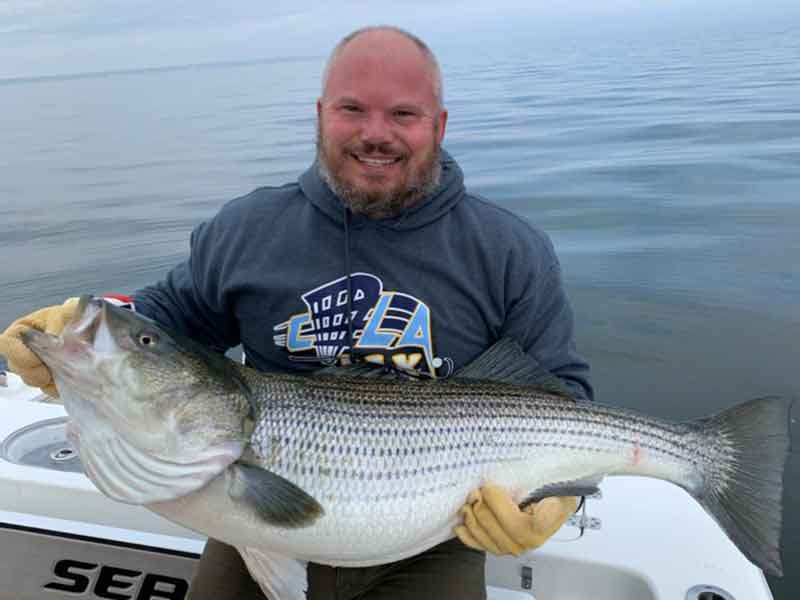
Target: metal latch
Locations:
point(526, 577)
point(584, 522)
point(580, 519)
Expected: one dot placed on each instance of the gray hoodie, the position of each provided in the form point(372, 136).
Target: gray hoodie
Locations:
point(429, 290)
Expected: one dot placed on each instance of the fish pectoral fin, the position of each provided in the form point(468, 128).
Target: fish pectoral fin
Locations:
point(576, 487)
point(276, 500)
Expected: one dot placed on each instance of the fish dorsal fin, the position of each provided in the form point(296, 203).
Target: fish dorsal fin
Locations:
point(364, 370)
point(506, 362)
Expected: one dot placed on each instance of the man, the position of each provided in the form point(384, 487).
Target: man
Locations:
point(379, 254)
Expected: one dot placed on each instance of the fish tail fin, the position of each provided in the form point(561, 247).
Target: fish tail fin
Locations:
point(743, 488)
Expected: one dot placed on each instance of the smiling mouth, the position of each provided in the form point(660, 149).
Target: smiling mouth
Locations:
point(377, 162)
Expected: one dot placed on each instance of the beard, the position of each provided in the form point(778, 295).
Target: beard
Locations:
point(419, 183)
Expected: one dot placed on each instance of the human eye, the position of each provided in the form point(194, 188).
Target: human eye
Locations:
point(405, 113)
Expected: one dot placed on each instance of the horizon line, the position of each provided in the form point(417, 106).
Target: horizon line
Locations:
point(161, 68)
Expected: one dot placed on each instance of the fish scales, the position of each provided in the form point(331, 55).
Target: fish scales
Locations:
point(399, 433)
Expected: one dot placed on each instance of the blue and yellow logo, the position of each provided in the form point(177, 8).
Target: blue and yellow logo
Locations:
point(389, 328)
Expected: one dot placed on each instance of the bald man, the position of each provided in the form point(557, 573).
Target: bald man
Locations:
point(377, 253)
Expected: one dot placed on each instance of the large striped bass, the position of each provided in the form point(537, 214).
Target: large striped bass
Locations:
point(357, 471)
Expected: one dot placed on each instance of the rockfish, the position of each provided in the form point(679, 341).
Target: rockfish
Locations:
point(352, 470)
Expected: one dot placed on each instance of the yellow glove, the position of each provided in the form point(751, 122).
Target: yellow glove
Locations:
point(24, 362)
point(493, 522)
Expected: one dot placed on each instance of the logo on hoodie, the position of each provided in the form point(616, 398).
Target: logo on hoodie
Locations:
point(388, 328)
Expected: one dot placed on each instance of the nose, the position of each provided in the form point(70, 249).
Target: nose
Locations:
point(376, 129)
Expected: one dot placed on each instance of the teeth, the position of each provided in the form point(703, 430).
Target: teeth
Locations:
point(376, 161)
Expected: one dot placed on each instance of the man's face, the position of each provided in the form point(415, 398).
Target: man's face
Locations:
point(380, 125)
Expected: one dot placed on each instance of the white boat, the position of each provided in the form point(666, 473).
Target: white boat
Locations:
point(60, 538)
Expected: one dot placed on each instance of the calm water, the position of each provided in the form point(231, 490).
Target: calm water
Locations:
point(667, 175)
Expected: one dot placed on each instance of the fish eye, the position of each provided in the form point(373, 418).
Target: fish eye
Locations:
point(147, 339)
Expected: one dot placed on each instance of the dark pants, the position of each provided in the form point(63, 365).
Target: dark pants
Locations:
point(447, 571)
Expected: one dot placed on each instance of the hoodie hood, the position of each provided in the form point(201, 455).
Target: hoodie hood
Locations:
point(449, 192)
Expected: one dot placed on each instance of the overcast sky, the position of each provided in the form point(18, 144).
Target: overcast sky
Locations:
point(44, 37)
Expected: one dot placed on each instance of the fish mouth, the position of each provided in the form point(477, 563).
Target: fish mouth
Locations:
point(77, 338)
point(83, 326)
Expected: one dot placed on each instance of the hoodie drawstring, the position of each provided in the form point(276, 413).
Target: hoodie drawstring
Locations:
point(347, 269)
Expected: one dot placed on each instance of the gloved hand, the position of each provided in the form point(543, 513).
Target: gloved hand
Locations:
point(493, 522)
point(24, 362)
